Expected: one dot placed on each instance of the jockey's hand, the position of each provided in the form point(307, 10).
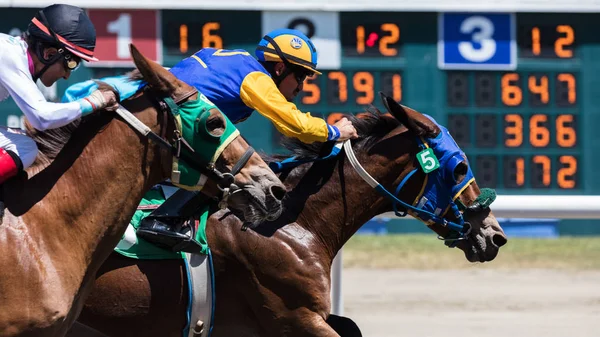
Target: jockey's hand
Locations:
point(102, 99)
point(347, 130)
point(112, 103)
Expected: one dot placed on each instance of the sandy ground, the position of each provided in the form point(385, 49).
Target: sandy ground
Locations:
point(473, 302)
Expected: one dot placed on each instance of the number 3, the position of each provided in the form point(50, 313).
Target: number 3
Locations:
point(427, 160)
point(483, 37)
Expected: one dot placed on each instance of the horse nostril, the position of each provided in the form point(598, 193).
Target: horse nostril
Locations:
point(499, 240)
point(278, 192)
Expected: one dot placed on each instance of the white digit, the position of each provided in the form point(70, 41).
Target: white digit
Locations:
point(428, 162)
point(121, 27)
point(483, 37)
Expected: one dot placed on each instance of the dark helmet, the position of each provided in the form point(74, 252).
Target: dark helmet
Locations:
point(65, 26)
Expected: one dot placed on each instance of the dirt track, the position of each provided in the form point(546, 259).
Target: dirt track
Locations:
point(473, 302)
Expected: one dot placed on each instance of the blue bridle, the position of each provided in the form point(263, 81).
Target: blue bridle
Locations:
point(440, 190)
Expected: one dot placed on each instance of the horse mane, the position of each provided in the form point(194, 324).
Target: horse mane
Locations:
point(50, 142)
point(370, 127)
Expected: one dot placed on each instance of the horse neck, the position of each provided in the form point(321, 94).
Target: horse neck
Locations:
point(346, 201)
point(80, 204)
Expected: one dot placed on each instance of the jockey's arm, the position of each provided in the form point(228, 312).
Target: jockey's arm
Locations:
point(259, 92)
point(40, 113)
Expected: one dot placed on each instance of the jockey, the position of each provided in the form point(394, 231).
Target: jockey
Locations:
point(56, 41)
point(238, 84)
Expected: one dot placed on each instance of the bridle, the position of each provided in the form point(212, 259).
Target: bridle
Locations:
point(179, 147)
point(459, 228)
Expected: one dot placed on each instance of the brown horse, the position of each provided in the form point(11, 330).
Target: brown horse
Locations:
point(64, 220)
point(275, 280)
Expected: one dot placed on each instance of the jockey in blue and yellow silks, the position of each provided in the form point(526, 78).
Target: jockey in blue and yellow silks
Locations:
point(239, 84)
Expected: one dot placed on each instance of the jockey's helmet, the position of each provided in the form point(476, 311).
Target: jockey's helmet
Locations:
point(65, 27)
point(288, 46)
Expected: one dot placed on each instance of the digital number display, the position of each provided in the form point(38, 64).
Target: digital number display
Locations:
point(350, 88)
point(186, 32)
point(534, 87)
point(535, 171)
point(524, 131)
point(381, 34)
point(547, 41)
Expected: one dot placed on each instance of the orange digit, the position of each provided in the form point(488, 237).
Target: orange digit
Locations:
point(539, 135)
point(183, 38)
point(541, 89)
point(363, 82)
point(570, 79)
point(385, 41)
point(566, 136)
point(516, 130)
point(520, 163)
point(511, 94)
point(563, 41)
point(360, 39)
point(545, 162)
point(340, 77)
point(397, 87)
point(565, 176)
point(536, 47)
point(208, 38)
point(334, 117)
point(313, 91)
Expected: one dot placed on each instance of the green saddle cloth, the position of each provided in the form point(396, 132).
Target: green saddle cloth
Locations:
point(137, 248)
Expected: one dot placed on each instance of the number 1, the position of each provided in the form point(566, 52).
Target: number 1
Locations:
point(121, 27)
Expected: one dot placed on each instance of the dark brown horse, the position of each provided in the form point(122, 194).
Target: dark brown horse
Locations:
point(275, 280)
point(65, 218)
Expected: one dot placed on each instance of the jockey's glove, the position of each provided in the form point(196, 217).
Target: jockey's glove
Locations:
point(98, 100)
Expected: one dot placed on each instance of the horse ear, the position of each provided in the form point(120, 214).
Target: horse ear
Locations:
point(157, 77)
point(415, 121)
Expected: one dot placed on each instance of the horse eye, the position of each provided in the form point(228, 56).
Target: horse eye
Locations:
point(460, 171)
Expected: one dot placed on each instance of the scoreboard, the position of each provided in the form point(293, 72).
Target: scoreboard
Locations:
point(520, 92)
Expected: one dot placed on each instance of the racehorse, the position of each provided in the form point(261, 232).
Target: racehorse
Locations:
point(275, 280)
point(66, 214)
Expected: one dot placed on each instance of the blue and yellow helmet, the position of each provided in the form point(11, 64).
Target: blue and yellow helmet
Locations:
point(295, 47)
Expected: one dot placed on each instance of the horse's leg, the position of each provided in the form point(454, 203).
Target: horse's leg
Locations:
point(137, 298)
point(344, 326)
point(80, 330)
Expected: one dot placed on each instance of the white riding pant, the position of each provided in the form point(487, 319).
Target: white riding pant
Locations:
point(17, 142)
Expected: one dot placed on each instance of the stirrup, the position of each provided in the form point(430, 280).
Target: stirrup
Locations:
point(161, 235)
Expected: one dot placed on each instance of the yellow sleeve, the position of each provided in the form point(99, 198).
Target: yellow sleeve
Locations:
point(259, 92)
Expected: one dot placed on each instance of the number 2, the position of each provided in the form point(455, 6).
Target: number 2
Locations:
point(482, 30)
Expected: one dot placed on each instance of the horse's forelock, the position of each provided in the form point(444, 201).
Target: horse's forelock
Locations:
point(371, 127)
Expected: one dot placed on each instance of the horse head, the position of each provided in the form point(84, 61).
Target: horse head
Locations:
point(449, 200)
point(223, 156)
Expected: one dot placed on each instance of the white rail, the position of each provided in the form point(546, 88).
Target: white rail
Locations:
point(505, 206)
point(543, 206)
